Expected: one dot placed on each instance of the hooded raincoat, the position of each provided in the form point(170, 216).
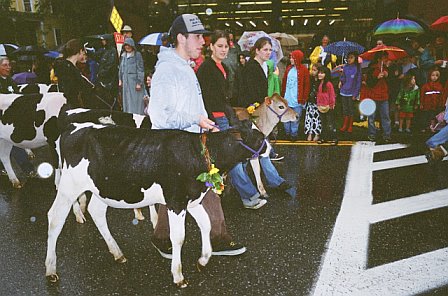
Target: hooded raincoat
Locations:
point(303, 78)
point(132, 73)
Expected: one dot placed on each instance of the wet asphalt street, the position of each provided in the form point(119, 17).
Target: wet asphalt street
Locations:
point(329, 240)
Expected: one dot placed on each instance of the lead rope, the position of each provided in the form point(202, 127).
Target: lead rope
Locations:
point(255, 154)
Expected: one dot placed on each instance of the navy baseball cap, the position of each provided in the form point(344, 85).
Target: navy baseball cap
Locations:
point(187, 23)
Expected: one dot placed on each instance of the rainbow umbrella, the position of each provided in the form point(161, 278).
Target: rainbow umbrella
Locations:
point(441, 24)
point(398, 26)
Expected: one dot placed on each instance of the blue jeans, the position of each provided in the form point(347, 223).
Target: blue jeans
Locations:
point(240, 180)
point(383, 107)
point(292, 127)
point(438, 139)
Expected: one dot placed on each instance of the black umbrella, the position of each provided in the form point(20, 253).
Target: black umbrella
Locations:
point(29, 50)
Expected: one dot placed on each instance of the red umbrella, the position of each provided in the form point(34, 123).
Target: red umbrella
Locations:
point(441, 24)
point(394, 53)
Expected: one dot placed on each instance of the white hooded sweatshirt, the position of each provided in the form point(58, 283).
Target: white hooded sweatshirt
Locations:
point(176, 99)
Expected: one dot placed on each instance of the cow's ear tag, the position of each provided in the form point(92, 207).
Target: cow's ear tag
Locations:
point(268, 101)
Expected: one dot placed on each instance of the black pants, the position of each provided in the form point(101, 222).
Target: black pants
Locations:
point(328, 127)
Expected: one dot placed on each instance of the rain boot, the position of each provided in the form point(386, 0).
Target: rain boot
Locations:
point(344, 127)
point(350, 124)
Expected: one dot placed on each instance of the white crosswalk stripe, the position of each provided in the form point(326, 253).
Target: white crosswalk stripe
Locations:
point(344, 268)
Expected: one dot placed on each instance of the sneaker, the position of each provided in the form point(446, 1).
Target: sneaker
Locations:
point(408, 131)
point(228, 249)
point(258, 203)
point(165, 249)
point(371, 138)
point(277, 157)
point(387, 140)
point(320, 141)
point(400, 130)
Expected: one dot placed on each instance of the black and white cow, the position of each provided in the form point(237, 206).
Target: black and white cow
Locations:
point(131, 168)
point(30, 121)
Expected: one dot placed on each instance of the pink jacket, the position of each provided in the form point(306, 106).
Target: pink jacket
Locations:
point(328, 97)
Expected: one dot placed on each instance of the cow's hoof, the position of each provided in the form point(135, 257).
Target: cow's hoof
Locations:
point(199, 266)
point(122, 259)
point(53, 278)
point(182, 284)
point(17, 185)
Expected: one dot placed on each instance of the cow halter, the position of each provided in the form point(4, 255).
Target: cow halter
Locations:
point(255, 154)
point(278, 115)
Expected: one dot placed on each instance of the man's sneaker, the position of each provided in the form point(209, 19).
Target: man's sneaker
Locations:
point(228, 249)
point(277, 157)
point(371, 138)
point(165, 249)
point(255, 205)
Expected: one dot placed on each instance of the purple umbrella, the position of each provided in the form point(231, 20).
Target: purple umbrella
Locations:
point(24, 77)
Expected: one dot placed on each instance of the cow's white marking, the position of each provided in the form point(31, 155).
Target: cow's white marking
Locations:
point(138, 119)
point(344, 269)
point(79, 126)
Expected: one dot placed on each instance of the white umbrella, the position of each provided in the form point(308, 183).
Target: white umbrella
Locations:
point(152, 39)
point(248, 39)
point(285, 39)
point(6, 49)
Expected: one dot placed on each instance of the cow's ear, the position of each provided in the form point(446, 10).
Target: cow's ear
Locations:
point(268, 101)
point(231, 116)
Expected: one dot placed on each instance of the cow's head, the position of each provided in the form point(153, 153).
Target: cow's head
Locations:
point(278, 108)
point(237, 144)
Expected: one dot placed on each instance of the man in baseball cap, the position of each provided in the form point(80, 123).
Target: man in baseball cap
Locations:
point(176, 103)
point(187, 23)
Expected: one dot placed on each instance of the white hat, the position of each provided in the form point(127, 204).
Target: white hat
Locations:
point(126, 28)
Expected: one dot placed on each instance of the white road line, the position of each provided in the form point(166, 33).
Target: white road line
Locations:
point(344, 267)
point(407, 206)
point(400, 162)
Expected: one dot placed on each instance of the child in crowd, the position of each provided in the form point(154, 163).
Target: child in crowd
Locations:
point(431, 100)
point(273, 79)
point(349, 85)
point(295, 89)
point(394, 83)
point(408, 100)
point(326, 100)
point(313, 125)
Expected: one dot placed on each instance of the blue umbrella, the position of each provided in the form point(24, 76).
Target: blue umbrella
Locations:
point(52, 54)
point(152, 39)
point(342, 48)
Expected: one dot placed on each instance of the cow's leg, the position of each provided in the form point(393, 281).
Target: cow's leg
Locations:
point(138, 215)
point(153, 216)
point(79, 208)
point(177, 236)
point(97, 210)
point(5, 157)
point(30, 153)
point(255, 163)
point(197, 210)
point(56, 220)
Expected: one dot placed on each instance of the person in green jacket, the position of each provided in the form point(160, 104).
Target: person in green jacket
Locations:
point(408, 100)
point(273, 80)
